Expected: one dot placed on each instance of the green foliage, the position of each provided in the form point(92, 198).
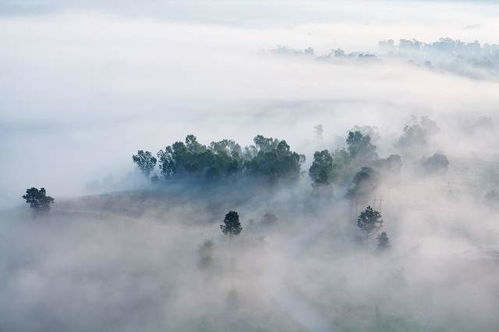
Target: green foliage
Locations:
point(359, 146)
point(365, 182)
point(321, 170)
point(436, 164)
point(369, 221)
point(38, 199)
point(268, 157)
point(417, 133)
point(272, 159)
point(231, 225)
point(220, 159)
point(145, 161)
point(330, 167)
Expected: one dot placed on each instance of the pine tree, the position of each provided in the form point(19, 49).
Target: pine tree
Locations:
point(231, 225)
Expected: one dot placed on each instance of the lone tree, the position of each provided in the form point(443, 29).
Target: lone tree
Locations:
point(369, 221)
point(383, 242)
point(231, 225)
point(145, 161)
point(38, 199)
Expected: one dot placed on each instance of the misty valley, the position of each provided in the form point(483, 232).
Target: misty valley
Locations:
point(224, 237)
point(249, 166)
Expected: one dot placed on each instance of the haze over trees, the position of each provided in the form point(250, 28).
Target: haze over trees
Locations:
point(231, 225)
point(145, 162)
point(383, 242)
point(38, 199)
point(435, 164)
point(369, 222)
point(269, 158)
point(321, 170)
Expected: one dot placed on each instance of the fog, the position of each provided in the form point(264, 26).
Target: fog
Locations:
point(85, 84)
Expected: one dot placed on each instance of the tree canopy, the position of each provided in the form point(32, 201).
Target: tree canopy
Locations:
point(231, 225)
point(329, 167)
point(38, 199)
point(269, 158)
point(369, 221)
point(190, 158)
point(145, 162)
point(321, 170)
point(272, 159)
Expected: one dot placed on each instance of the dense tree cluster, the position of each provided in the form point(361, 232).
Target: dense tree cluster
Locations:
point(272, 159)
point(190, 158)
point(269, 158)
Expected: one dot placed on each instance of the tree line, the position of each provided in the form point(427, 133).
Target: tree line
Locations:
point(268, 158)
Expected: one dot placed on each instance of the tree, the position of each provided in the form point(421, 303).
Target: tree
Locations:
point(369, 221)
point(383, 242)
point(194, 160)
point(321, 170)
point(231, 225)
point(272, 159)
point(365, 182)
point(145, 161)
point(436, 164)
point(417, 133)
point(359, 146)
point(38, 199)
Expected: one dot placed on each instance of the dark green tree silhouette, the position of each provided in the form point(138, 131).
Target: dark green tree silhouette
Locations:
point(38, 199)
point(272, 159)
point(369, 221)
point(321, 170)
point(383, 242)
point(194, 160)
point(145, 161)
point(231, 225)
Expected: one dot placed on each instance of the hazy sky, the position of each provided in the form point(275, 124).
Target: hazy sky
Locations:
point(85, 84)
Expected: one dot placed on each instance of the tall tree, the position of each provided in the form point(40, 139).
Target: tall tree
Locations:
point(38, 199)
point(145, 161)
point(231, 225)
point(369, 221)
point(359, 145)
point(321, 170)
